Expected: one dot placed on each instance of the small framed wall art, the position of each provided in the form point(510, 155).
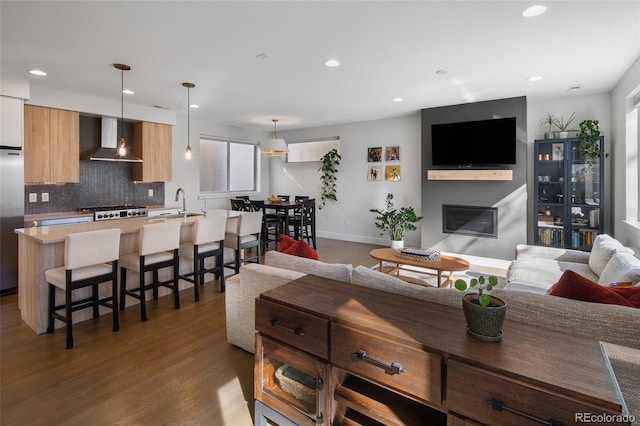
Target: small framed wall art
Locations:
point(374, 173)
point(392, 153)
point(374, 155)
point(392, 172)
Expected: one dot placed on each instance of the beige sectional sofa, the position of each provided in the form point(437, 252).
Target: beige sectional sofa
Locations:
point(537, 268)
point(618, 327)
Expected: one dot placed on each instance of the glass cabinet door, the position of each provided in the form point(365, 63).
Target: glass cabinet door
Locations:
point(550, 193)
point(584, 200)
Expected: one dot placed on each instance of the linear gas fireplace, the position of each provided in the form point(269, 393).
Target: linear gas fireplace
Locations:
point(475, 221)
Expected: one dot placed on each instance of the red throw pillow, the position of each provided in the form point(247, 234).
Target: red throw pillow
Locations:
point(300, 248)
point(574, 286)
point(631, 294)
point(285, 242)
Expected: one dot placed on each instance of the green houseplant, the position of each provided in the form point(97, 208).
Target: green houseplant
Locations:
point(563, 126)
point(329, 168)
point(589, 136)
point(394, 222)
point(484, 313)
point(549, 120)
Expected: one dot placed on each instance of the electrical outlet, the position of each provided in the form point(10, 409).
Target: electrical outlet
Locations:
point(33, 197)
point(151, 193)
point(45, 197)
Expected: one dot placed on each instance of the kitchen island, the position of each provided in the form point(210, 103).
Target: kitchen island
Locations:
point(42, 248)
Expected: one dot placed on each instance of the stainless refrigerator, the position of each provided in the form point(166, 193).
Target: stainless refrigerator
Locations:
point(11, 214)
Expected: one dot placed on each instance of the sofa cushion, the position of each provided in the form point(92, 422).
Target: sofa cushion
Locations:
point(300, 248)
point(335, 271)
point(284, 242)
point(546, 272)
point(622, 267)
point(604, 247)
point(577, 287)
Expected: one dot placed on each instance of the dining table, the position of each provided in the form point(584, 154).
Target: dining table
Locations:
point(282, 209)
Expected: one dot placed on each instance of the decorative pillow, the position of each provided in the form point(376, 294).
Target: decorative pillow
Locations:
point(574, 286)
point(604, 247)
point(622, 267)
point(285, 242)
point(300, 248)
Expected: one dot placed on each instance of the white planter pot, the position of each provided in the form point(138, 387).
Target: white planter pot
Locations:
point(397, 244)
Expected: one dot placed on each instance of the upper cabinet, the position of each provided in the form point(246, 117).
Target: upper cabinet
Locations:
point(152, 143)
point(51, 145)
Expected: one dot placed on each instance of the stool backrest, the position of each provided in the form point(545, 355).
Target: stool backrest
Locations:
point(91, 248)
point(209, 229)
point(250, 223)
point(158, 237)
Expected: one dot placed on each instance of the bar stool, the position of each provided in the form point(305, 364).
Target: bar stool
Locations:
point(207, 241)
point(246, 235)
point(159, 245)
point(269, 223)
point(86, 255)
point(304, 221)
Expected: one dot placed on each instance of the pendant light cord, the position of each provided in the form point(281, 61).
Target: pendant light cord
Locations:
point(188, 118)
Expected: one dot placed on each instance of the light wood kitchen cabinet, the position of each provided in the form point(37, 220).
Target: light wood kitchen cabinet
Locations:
point(51, 145)
point(152, 143)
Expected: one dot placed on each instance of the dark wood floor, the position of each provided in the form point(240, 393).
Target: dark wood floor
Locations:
point(175, 369)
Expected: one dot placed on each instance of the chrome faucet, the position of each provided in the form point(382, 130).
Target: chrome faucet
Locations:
point(184, 201)
point(204, 199)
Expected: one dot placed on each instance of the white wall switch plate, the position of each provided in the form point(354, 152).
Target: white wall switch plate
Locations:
point(33, 197)
point(151, 193)
point(45, 197)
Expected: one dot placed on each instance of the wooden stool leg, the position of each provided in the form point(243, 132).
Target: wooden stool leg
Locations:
point(68, 314)
point(221, 276)
point(123, 287)
point(94, 296)
point(143, 303)
point(196, 276)
point(176, 292)
point(114, 297)
point(52, 306)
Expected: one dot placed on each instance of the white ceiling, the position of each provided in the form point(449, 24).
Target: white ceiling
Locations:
point(387, 49)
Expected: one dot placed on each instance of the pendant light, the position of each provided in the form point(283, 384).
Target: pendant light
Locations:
point(187, 152)
point(122, 146)
point(275, 145)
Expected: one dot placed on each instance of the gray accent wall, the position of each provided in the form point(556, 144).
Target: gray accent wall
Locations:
point(510, 197)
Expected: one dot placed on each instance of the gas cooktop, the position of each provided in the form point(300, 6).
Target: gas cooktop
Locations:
point(115, 212)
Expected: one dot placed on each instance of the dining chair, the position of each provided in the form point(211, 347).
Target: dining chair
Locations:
point(239, 204)
point(159, 244)
point(246, 235)
point(271, 225)
point(207, 241)
point(86, 258)
point(303, 221)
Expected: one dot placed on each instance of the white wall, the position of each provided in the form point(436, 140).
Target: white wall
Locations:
point(628, 234)
point(349, 218)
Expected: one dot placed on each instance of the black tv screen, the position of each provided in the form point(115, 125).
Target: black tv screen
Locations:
point(474, 143)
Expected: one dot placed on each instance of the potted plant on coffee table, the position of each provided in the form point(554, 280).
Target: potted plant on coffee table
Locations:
point(395, 222)
point(484, 313)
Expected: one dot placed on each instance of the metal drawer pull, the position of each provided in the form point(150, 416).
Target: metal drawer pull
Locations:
point(297, 331)
point(393, 368)
point(499, 405)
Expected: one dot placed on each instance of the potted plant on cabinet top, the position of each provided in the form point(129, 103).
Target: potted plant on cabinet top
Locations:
point(563, 126)
point(549, 120)
point(395, 222)
point(484, 313)
point(589, 136)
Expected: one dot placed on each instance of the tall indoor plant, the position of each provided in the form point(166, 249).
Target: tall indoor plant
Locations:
point(395, 222)
point(329, 168)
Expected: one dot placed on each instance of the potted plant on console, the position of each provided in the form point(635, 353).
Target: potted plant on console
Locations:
point(395, 222)
point(484, 313)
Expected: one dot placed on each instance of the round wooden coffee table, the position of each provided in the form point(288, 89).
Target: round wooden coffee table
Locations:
point(445, 264)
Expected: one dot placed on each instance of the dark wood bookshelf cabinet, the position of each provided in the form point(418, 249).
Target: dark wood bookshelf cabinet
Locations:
point(569, 193)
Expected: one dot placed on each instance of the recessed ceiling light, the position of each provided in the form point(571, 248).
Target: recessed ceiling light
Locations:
point(194, 106)
point(397, 99)
point(441, 72)
point(128, 92)
point(574, 88)
point(38, 72)
point(535, 10)
point(535, 78)
point(331, 63)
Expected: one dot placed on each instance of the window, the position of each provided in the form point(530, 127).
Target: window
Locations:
point(227, 165)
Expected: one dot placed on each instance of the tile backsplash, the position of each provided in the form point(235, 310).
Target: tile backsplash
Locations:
point(101, 182)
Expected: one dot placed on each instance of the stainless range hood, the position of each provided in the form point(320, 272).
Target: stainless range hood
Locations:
point(108, 144)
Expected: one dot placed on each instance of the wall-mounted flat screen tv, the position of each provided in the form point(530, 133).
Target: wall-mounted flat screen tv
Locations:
point(474, 143)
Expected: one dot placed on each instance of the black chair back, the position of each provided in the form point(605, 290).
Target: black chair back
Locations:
point(239, 204)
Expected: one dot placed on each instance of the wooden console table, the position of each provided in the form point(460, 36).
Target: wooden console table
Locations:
point(334, 353)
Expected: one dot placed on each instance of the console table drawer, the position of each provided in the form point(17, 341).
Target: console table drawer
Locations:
point(304, 331)
point(492, 390)
point(406, 369)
